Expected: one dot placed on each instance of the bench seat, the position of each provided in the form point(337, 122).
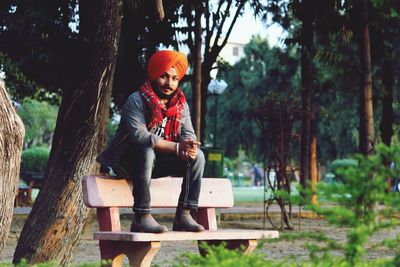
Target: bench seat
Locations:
point(104, 191)
point(224, 234)
point(108, 194)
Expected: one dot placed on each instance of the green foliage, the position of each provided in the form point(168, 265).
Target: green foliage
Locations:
point(219, 256)
point(34, 159)
point(356, 208)
point(263, 70)
point(43, 42)
point(40, 120)
point(46, 53)
point(112, 127)
point(20, 87)
point(357, 200)
point(228, 163)
point(16, 82)
point(361, 205)
point(340, 164)
point(25, 263)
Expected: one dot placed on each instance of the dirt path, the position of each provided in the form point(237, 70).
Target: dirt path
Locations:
point(88, 250)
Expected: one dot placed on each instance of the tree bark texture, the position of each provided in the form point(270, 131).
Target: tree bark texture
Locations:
point(197, 99)
point(367, 132)
point(12, 133)
point(313, 156)
point(387, 120)
point(159, 9)
point(102, 139)
point(56, 222)
point(307, 75)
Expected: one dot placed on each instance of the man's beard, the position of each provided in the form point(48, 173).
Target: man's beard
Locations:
point(161, 95)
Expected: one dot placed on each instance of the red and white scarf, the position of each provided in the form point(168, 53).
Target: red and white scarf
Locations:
point(159, 111)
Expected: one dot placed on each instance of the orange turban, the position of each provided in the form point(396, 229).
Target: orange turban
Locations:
point(162, 61)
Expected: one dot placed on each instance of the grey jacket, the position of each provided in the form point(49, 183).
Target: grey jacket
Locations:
point(132, 129)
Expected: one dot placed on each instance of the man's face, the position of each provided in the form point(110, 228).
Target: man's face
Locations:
point(167, 83)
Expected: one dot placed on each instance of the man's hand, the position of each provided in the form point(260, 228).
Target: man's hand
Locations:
point(188, 149)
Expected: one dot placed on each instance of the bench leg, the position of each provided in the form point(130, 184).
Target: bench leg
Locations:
point(244, 246)
point(139, 253)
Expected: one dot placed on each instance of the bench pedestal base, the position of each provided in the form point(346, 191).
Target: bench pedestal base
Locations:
point(142, 253)
point(139, 253)
point(244, 246)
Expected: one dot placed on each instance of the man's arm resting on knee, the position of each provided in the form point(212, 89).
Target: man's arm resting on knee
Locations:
point(165, 146)
point(186, 149)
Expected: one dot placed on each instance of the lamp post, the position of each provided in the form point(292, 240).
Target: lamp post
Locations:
point(215, 88)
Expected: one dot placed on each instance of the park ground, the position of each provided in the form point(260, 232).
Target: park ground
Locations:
point(248, 215)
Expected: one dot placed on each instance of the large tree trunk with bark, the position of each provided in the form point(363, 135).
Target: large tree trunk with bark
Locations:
point(56, 222)
point(307, 74)
point(367, 132)
point(12, 133)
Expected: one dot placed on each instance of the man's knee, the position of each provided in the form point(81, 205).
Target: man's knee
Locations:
point(145, 156)
point(200, 158)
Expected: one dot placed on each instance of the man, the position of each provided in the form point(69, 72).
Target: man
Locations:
point(257, 175)
point(155, 138)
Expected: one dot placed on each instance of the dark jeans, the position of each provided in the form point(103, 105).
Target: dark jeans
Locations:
point(143, 163)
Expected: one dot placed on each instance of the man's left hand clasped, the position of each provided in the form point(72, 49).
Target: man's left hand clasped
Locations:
point(187, 149)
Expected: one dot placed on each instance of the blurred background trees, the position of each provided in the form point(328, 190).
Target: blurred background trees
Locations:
point(318, 63)
point(344, 83)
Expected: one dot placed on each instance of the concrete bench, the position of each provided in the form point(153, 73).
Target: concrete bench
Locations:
point(23, 196)
point(108, 195)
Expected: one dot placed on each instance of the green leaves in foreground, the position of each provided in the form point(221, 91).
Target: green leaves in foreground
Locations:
point(219, 256)
point(361, 204)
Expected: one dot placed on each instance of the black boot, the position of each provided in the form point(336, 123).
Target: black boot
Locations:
point(184, 221)
point(146, 223)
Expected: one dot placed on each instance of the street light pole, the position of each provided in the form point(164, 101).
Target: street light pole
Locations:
point(215, 88)
point(215, 120)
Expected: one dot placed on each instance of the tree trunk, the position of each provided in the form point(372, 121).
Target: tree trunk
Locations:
point(206, 68)
point(105, 117)
point(12, 133)
point(387, 120)
point(213, 47)
point(307, 74)
point(204, 96)
point(314, 155)
point(197, 97)
point(159, 9)
point(56, 222)
point(367, 132)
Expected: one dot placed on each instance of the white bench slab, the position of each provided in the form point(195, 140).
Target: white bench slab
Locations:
point(102, 191)
point(180, 236)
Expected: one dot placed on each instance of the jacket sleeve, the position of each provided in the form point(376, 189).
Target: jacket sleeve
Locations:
point(187, 131)
point(133, 118)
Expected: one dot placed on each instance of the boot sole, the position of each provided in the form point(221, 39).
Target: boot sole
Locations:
point(138, 230)
point(180, 229)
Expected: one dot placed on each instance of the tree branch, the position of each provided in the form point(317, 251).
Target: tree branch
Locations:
point(190, 31)
point(221, 25)
point(219, 48)
point(215, 18)
point(159, 9)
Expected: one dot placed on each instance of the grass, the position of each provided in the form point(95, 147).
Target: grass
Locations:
point(254, 194)
point(248, 194)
